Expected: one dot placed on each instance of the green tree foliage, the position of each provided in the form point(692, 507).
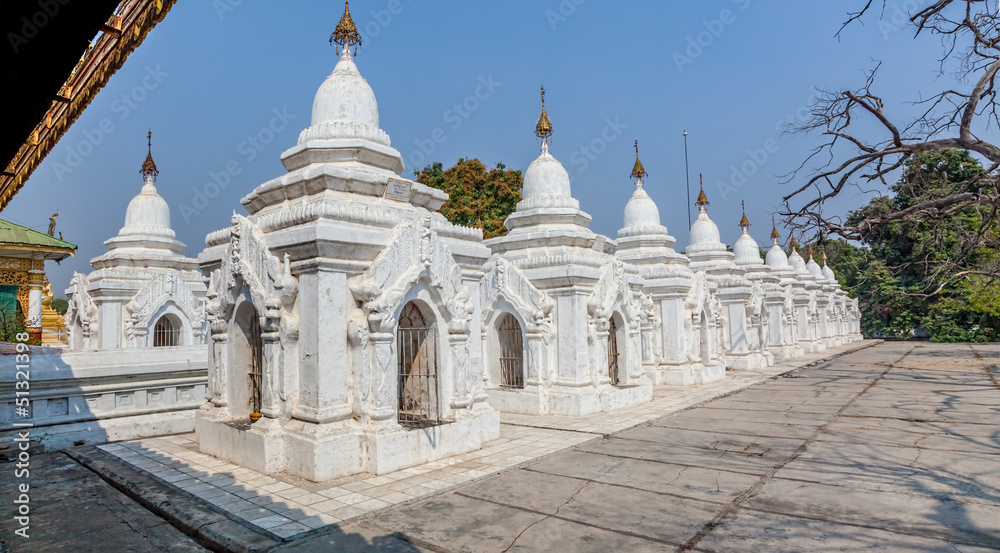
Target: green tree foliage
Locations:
point(932, 273)
point(60, 305)
point(476, 197)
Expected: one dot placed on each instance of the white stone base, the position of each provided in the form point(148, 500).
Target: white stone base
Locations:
point(782, 353)
point(812, 347)
point(320, 452)
point(685, 375)
point(564, 400)
point(109, 430)
point(742, 362)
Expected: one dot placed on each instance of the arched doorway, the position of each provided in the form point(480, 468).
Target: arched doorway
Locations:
point(248, 356)
point(511, 351)
point(613, 352)
point(416, 343)
point(167, 332)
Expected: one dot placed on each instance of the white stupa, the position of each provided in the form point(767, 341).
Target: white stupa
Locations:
point(344, 313)
point(709, 255)
point(143, 291)
point(592, 311)
point(683, 349)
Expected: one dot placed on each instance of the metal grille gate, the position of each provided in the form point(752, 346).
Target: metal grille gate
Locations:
point(511, 352)
point(416, 342)
point(166, 333)
point(256, 355)
point(613, 353)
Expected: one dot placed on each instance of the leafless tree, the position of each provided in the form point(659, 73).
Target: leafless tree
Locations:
point(850, 156)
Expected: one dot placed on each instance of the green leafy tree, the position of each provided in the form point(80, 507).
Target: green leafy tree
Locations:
point(476, 197)
point(60, 305)
point(937, 273)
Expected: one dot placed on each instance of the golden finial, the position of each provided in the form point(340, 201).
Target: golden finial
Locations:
point(744, 222)
point(149, 167)
point(638, 171)
point(702, 198)
point(793, 245)
point(346, 34)
point(824, 257)
point(543, 129)
point(774, 230)
point(809, 250)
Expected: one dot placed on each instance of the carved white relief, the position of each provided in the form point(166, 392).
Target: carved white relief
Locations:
point(504, 280)
point(416, 252)
point(613, 291)
point(162, 289)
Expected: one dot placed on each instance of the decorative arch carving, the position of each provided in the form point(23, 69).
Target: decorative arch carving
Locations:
point(415, 253)
point(613, 290)
point(163, 289)
point(504, 280)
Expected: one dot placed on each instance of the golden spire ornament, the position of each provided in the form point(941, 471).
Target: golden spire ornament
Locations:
point(809, 250)
point(702, 201)
point(793, 245)
point(149, 170)
point(346, 33)
point(774, 230)
point(543, 129)
point(638, 171)
point(824, 257)
point(744, 222)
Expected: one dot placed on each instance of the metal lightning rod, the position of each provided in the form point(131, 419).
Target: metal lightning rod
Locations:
point(687, 178)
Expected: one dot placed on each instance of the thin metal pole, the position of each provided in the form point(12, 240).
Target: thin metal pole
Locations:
point(687, 177)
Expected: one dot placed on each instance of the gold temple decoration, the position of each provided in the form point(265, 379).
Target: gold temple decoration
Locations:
point(346, 33)
point(744, 222)
point(638, 171)
point(809, 250)
point(702, 198)
point(543, 129)
point(774, 230)
point(149, 167)
point(824, 257)
point(793, 245)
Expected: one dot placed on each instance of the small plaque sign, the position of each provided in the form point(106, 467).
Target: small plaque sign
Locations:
point(398, 190)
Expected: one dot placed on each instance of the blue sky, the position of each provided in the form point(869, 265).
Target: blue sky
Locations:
point(226, 86)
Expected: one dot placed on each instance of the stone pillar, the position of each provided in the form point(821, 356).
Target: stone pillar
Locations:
point(33, 318)
point(572, 357)
point(324, 375)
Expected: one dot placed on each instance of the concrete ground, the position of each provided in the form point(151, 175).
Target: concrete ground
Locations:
point(892, 448)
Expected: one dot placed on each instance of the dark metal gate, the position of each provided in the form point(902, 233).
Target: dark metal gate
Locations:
point(256, 355)
point(613, 352)
point(416, 342)
point(511, 352)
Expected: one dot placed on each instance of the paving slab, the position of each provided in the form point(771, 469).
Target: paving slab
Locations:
point(754, 531)
point(72, 509)
point(950, 519)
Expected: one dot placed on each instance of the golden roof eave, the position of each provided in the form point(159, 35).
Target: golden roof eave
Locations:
point(125, 31)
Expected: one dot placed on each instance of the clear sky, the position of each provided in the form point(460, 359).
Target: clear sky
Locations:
point(230, 84)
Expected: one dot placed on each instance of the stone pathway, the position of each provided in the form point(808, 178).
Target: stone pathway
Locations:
point(894, 448)
point(284, 507)
point(891, 448)
point(72, 509)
